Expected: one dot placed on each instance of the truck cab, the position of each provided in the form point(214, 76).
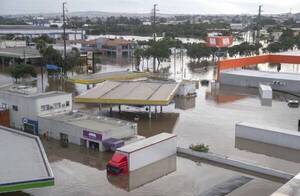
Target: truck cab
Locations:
point(118, 164)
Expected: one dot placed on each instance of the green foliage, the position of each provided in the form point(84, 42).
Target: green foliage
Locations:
point(73, 59)
point(45, 38)
point(173, 30)
point(286, 41)
point(22, 70)
point(11, 21)
point(198, 51)
point(274, 47)
point(199, 147)
point(243, 49)
point(51, 56)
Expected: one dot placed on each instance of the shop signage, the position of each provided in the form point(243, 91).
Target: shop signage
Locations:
point(92, 135)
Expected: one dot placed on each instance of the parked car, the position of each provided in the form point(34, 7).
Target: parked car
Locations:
point(293, 103)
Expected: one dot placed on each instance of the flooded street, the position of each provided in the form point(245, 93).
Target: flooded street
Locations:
point(79, 171)
point(209, 118)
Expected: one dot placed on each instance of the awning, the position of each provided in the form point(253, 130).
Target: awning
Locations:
point(54, 67)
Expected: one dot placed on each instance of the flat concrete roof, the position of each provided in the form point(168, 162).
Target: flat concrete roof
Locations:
point(24, 163)
point(28, 91)
point(292, 188)
point(101, 77)
point(263, 74)
point(90, 122)
point(131, 93)
point(290, 53)
point(20, 53)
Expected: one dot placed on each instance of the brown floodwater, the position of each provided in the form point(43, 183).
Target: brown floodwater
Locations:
point(209, 118)
point(79, 171)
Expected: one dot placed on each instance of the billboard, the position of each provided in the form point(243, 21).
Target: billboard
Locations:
point(219, 41)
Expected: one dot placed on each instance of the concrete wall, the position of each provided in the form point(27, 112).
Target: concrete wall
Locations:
point(75, 133)
point(292, 188)
point(30, 107)
point(54, 128)
point(269, 135)
point(51, 101)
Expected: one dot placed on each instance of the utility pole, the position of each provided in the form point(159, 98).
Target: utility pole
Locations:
point(64, 34)
point(258, 24)
point(154, 21)
point(154, 33)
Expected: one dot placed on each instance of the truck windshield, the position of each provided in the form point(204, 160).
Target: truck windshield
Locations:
point(113, 170)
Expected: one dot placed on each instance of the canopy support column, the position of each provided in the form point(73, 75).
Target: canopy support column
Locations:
point(149, 111)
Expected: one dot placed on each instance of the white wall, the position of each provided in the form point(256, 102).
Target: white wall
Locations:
point(269, 135)
point(30, 107)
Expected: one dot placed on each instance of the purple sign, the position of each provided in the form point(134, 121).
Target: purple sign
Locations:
point(92, 135)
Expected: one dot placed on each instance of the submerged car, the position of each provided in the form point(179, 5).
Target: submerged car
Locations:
point(293, 103)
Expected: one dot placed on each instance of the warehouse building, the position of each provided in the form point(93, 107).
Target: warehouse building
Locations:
point(252, 78)
point(25, 104)
point(95, 132)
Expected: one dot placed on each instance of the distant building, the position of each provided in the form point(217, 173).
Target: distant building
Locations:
point(237, 26)
point(107, 46)
point(32, 31)
point(12, 43)
point(219, 41)
point(25, 104)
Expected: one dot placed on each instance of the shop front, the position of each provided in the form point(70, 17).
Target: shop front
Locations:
point(92, 140)
point(30, 126)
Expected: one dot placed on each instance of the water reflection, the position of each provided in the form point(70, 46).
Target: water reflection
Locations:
point(76, 153)
point(145, 175)
point(185, 103)
point(268, 149)
point(161, 122)
point(266, 102)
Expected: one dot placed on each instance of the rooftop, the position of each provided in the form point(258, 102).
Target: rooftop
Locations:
point(27, 91)
point(263, 74)
point(89, 121)
point(24, 163)
point(20, 52)
point(131, 93)
point(101, 77)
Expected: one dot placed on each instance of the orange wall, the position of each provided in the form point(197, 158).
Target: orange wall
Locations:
point(244, 62)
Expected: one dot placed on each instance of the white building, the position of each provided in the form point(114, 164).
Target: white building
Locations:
point(237, 26)
point(12, 43)
point(25, 104)
point(88, 130)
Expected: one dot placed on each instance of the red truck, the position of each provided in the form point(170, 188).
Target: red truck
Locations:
point(139, 154)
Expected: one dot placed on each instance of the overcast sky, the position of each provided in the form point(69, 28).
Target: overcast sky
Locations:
point(144, 6)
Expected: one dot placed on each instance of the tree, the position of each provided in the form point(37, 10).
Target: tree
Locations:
point(274, 47)
point(159, 50)
point(51, 56)
point(72, 59)
point(198, 51)
point(22, 70)
point(138, 55)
